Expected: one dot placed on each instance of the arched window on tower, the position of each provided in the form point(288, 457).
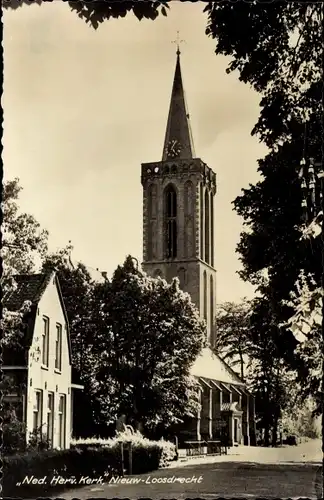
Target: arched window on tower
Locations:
point(170, 202)
point(211, 229)
point(207, 227)
point(151, 221)
point(212, 319)
point(205, 297)
point(189, 206)
point(201, 196)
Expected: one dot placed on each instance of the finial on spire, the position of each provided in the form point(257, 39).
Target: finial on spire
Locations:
point(178, 41)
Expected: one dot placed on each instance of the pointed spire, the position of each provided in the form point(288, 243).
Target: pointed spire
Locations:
point(178, 139)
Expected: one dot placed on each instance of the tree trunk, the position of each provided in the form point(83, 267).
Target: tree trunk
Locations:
point(274, 431)
point(241, 364)
point(266, 434)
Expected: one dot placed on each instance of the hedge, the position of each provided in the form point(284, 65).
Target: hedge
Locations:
point(70, 464)
point(147, 454)
point(93, 458)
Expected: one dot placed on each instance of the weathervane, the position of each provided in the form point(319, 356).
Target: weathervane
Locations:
point(178, 41)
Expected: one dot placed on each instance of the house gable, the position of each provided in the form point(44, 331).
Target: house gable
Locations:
point(50, 305)
point(32, 288)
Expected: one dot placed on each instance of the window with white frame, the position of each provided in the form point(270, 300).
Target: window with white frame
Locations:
point(50, 417)
point(62, 421)
point(58, 347)
point(45, 341)
point(37, 411)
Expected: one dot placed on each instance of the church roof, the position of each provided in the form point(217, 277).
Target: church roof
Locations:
point(178, 127)
point(210, 366)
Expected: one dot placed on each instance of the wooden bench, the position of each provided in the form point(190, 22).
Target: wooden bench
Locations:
point(214, 448)
point(198, 448)
point(195, 448)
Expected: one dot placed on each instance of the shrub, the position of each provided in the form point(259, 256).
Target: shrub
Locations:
point(169, 452)
point(93, 457)
point(38, 441)
point(73, 463)
point(147, 454)
point(14, 437)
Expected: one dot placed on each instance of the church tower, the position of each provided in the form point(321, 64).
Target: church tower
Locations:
point(178, 211)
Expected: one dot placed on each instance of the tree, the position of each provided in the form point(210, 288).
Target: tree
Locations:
point(233, 335)
point(150, 335)
point(97, 11)
point(271, 246)
point(23, 241)
point(78, 290)
point(268, 376)
point(306, 324)
point(247, 334)
point(277, 48)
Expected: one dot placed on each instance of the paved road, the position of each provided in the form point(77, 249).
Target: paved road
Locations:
point(245, 474)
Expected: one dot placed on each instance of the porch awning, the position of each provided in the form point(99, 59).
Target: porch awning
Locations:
point(77, 386)
point(217, 385)
point(225, 386)
point(205, 382)
point(237, 389)
point(246, 391)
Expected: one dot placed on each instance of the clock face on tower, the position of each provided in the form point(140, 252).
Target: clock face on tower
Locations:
point(173, 148)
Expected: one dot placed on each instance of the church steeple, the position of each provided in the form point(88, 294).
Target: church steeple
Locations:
point(178, 141)
point(178, 211)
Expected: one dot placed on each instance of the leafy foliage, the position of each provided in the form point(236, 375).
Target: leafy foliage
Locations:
point(67, 463)
point(133, 342)
point(277, 48)
point(306, 326)
point(248, 335)
point(233, 335)
point(168, 449)
point(13, 436)
point(24, 243)
point(300, 422)
point(95, 12)
point(12, 325)
point(38, 440)
point(272, 214)
point(78, 291)
point(150, 335)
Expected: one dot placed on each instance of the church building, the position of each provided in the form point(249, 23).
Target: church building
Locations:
point(178, 240)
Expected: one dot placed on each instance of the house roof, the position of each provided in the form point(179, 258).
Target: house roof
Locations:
point(210, 366)
point(31, 287)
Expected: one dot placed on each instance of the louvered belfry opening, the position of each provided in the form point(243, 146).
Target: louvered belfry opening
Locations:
point(170, 222)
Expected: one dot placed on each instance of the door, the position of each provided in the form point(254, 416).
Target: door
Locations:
point(235, 430)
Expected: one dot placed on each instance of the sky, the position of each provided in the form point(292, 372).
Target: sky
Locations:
point(83, 108)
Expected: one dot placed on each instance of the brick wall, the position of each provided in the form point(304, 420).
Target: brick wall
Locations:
point(184, 175)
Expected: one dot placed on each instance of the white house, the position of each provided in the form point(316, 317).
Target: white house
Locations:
point(40, 373)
